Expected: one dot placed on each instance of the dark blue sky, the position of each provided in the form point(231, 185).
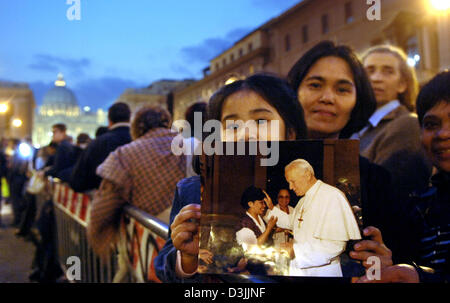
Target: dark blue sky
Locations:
point(120, 44)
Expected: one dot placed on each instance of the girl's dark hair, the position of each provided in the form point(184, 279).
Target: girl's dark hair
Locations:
point(147, 118)
point(274, 90)
point(435, 91)
point(365, 98)
point(199, 107)
point(251, 194)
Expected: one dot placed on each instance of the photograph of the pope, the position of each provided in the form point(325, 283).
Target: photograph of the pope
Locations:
point(289, 221)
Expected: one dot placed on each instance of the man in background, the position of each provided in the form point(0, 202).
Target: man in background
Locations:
point(83, 176)
point(64, 157)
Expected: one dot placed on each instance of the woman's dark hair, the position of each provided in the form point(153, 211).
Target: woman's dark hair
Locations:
point(274, 90)
point(147, 118)
point(251, 194)
point(435, 91)
point(365, 98)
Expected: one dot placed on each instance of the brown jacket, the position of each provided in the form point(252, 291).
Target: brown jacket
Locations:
point(395, 144)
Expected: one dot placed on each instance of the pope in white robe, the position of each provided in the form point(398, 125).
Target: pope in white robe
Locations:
point(322, 222)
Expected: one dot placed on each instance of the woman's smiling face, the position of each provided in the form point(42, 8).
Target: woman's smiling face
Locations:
point(436, 135)
point(328, 96)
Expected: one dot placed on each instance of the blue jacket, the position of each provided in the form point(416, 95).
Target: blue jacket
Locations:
point(187, 192)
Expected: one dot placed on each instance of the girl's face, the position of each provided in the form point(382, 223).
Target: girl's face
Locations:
point(257, 207)
point(328, 96)
point(246, 116)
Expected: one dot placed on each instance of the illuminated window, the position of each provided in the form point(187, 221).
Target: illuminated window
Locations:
point(251, 69)
point(348, 13)
point(231, 80)
point(412, 50)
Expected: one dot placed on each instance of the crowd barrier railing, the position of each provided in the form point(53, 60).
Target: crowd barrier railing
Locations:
point(141, 238)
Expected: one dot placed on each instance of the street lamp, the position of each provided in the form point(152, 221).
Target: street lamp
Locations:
point(440, 5)
point(3, 108)
point(17, 123)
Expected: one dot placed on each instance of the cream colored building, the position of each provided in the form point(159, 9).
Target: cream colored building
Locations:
point(16, 110)
point(155, 94)
point(414, 25)
point(60, 106)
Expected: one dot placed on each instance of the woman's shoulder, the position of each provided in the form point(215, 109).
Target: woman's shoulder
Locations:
point(405, 123)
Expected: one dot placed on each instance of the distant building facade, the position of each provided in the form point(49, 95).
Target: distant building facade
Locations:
point(274, 47)
point(157, 93)
point(60, 106)
point(16, 110)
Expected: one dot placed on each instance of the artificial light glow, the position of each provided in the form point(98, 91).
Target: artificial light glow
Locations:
point(60, 81)
point(3, 108)
point(25, 150)
point(87, 108)
point(411, 62)
point(440, 5)
point(231, 80)
point(17, 123)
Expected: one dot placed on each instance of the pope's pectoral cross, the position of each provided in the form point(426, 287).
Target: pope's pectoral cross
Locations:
point(300, 220)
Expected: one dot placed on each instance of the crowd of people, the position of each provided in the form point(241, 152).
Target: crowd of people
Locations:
point(344, 97)
point(330, 93)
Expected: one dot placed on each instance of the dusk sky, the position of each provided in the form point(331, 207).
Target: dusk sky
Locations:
point(120, 44)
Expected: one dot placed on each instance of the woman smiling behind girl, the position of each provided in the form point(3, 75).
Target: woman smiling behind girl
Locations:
point(337, 99)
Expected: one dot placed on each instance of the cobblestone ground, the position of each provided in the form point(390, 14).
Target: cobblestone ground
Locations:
point(16, 254)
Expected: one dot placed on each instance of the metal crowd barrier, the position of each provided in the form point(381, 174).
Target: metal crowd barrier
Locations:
point(142, 237)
